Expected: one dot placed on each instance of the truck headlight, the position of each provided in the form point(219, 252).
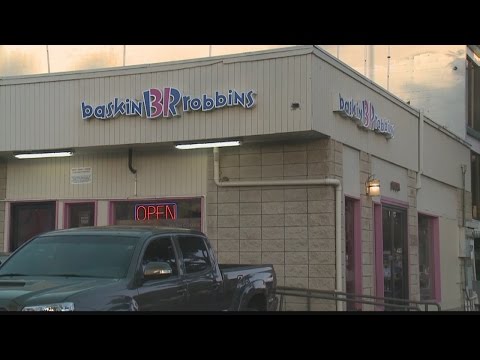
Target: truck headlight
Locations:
point(65, 306)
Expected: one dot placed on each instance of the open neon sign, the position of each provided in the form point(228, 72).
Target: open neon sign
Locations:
point(156, 211)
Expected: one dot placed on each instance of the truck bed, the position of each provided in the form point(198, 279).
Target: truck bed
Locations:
point(232, 271)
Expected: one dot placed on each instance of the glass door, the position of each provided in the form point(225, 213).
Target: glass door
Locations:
point(30, 219)
point(395, 260)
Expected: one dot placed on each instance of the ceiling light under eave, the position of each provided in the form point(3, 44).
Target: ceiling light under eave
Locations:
point(41, 155)
point(207, 145)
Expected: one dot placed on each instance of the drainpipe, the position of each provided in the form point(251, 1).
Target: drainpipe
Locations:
point(338, 208)
point(132, 170)
point(467, 243)
point(420, 150)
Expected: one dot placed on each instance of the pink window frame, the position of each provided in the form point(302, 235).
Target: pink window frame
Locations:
point(111, 208)
point(66, 211)
point(435, 255)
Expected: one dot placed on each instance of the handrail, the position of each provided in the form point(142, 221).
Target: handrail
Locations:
point(470, 300)
point(383, 302)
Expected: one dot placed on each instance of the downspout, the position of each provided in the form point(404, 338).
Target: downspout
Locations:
point(467, 246)
point(420, 150)
point(132, 170)
point(338, 208)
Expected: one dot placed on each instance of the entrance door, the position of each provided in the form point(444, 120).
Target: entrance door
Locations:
point(395, 261)
point(30, 219)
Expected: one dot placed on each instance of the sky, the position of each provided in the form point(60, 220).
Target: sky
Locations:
point(18, 60)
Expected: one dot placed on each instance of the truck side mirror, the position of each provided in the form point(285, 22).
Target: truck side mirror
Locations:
point(156, 270)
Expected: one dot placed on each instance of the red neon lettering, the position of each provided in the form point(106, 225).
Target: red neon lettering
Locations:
point(160, 210)
point(144, 212)
point(169, 210)
point(151, 211)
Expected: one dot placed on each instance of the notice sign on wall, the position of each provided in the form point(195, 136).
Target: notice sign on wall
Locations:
point(81, 175)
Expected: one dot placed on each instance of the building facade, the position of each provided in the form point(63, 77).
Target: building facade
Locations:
point(443, 81)
point(313, 135)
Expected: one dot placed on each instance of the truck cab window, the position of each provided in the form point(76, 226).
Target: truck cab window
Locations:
point(195, 254)
point(161, 250)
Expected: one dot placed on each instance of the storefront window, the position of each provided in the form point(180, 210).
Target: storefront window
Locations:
point(80, 214)
point(182, 213)
point(475, 185)
point(477, 258)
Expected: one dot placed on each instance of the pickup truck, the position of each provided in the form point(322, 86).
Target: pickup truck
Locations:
point(3, 257)
point(130, 269)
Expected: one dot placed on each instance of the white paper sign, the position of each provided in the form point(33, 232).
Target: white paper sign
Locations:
point(81, 175)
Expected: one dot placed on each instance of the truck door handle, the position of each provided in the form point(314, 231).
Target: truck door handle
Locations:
point(215, 285)
point(181, 291)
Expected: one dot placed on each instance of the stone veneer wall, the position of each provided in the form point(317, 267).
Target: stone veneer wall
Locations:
point(3, 191)
point(368, 240)
point(291, 227)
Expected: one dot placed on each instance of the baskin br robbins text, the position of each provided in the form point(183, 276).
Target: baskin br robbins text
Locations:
point(167, 103)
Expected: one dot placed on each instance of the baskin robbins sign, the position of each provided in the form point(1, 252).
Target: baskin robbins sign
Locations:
point(166, 103)
point(363, 113)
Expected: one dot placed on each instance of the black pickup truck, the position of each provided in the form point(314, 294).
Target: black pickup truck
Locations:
point(129, 269)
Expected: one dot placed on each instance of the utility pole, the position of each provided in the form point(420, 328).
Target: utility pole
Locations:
point(48, 60)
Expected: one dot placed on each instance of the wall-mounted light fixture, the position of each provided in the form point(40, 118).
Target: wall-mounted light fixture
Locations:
point(207, 145)
point(43, 154)
point(372, 186)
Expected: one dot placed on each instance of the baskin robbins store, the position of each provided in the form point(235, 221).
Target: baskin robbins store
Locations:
point(251, 150)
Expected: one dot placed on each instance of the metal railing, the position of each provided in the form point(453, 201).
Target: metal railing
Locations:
point(471, 300)
point(380, 303)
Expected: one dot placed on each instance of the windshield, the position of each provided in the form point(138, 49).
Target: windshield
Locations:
point(100, 256)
